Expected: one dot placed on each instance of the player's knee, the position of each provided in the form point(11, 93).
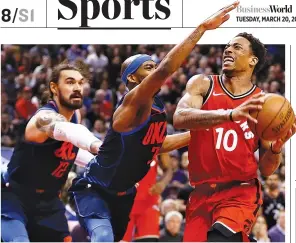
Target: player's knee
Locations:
point(102, 233)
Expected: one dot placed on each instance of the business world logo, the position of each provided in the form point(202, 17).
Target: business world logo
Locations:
point(268, 9)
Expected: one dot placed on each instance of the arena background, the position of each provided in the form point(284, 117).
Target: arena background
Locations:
point(25, 72)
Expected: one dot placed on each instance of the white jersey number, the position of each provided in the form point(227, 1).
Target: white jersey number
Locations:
point(225, 139)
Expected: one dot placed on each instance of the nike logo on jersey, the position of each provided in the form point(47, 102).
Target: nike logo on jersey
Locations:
point(215, 94)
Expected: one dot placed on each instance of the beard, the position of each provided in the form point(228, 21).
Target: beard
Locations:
point(70, 104)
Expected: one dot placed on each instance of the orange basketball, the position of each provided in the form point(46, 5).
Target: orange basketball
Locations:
point(274, 120)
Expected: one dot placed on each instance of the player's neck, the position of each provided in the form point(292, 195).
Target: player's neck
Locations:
point(64, 111)
point(238, 84)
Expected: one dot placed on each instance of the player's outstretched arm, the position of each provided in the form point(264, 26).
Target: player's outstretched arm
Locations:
point(50, 124)
point(175, 141)
point(189, 115)
point(271, 153)
point(174, 59)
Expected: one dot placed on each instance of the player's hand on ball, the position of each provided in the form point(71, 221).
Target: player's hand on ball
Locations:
point(220, 17)
point(252, 104)
point(278, 144)
point(157, 188)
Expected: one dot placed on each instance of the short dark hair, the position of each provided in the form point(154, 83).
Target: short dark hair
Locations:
point(258, 49)
point(79, 66)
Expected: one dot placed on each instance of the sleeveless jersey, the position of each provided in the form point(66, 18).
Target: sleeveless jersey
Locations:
point(43, 166)
point(124, 158)
point(224, 152)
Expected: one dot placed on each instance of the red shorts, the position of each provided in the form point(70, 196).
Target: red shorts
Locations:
point(229, 208)
point(144, 225)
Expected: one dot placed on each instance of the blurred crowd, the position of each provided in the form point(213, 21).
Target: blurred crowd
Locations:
point(25, 72)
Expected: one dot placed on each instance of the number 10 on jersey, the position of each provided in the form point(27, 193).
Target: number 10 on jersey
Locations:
point(223, 139)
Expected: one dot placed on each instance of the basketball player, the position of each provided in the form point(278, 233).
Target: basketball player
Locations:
point(30, 204)
point(144, 217)
point(105, 195)
point(222, 168)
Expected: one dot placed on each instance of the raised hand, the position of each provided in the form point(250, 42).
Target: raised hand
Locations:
point(219, 17)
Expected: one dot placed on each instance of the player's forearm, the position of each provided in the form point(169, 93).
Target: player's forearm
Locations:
point(174, 59)
point(190, 118)
point(76, 134)
point(56, 126)
point(175, 141)
point(269, 162)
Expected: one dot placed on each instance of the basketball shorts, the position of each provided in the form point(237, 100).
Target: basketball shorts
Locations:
point(42, 214)
point(229, 208)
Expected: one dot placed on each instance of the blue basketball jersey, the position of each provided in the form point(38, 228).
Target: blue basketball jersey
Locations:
point(42, 165)
point(124, 158)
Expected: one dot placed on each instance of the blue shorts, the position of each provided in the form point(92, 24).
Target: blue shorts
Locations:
point(41, 213)
point(94, 202)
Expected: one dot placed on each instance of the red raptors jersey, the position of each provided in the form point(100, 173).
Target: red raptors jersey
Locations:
point(225, 152)
point(143, 198)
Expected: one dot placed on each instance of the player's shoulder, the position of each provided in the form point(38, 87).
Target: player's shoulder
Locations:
point(48, 108)
point(198, 84)
point(45, 112)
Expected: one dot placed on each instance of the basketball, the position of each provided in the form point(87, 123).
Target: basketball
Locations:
point(274, 120)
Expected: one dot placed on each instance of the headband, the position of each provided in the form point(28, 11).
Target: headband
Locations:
point(134, 65)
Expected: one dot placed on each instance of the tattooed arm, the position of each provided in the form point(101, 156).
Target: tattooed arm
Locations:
point(188, 114)
point(50, 124)
point(41, 125)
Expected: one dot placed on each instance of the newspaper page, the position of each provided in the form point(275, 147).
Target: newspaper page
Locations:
point(229, 179)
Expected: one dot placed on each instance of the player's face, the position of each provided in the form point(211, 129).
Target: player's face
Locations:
point(238, 56)
point(145, 69)
point(70, 89)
